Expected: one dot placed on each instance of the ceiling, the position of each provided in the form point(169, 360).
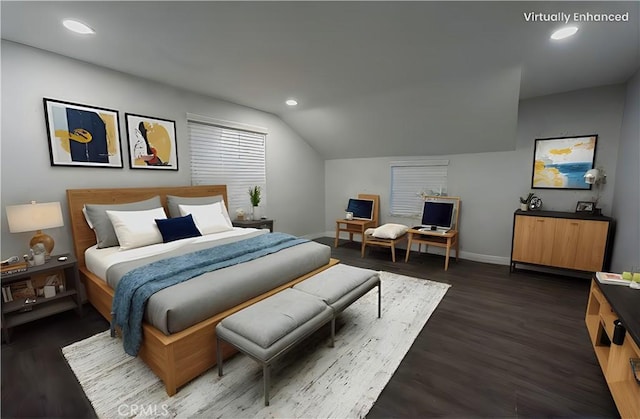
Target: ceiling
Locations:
point(371, 78)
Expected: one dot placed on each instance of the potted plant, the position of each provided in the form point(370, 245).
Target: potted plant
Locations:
point(254, 197)
point(524, 202)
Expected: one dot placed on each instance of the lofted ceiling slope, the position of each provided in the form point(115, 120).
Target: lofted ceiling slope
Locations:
point(372, 78)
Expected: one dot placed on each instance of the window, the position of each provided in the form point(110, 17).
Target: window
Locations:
point(411, 179)
point(228, 153)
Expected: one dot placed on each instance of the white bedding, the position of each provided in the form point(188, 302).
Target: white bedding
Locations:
point(98, 261)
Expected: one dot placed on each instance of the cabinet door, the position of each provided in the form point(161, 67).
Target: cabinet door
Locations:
point(533, 239)
point(580, 244)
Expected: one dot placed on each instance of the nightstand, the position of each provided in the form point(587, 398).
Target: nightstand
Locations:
point(19, 311)
point(254, 224)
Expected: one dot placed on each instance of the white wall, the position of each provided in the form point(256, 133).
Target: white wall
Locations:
point(489, 184)
point(626, 202)
point(295, 172)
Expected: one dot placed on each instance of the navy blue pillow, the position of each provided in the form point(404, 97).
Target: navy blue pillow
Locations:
point(177, 228)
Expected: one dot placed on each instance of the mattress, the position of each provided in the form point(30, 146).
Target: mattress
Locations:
point(183, 305)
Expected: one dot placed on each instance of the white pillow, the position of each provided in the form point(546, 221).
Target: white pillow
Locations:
point(209, 218)
point(137, 228)
point(390, 231)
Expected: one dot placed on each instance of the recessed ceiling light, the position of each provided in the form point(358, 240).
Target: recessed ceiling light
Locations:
point(564, 32)
point(77, 27)
point(291, 102)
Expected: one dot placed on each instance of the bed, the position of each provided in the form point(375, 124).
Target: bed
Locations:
point(180, 356)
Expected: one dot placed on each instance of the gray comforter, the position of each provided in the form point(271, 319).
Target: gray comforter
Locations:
point(180, 306)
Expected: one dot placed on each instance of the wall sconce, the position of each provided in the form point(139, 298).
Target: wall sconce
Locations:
point(595, 177)
point(35, 217)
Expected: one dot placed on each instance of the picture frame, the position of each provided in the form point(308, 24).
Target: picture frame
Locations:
point(82, 135)
point(586, 206)
point(152, 142)
point(561, 162)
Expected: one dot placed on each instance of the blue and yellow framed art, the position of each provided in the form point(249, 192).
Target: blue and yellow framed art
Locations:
point(560, 163)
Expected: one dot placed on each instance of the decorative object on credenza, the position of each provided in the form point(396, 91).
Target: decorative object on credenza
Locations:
point(560, 163)
point(82, 135)
point(535, 203)
point(152, 143)
point(240, 214)
point(35, 217)
point(585, 206)
point(524, 202)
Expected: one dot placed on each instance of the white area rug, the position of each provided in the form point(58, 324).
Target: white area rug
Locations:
point(312, 380)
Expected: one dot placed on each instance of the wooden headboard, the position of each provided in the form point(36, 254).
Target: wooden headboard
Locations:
point(83, 236)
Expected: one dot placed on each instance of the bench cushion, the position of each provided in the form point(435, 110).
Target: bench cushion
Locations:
point(267, 327)
point(340, 285)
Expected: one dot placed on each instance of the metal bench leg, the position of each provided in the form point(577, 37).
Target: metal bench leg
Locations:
point(219, 357)
point(266, 371)
point(379, 299)
point(333, 332)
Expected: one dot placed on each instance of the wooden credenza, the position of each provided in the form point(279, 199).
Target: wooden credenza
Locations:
point(562, 240)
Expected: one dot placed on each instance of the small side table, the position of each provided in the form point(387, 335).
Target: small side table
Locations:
point(264, 223)
point(18, 311)
point(434, 238)
point(353, 227)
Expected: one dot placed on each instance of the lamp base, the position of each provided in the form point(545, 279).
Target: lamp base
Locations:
point(45, 239)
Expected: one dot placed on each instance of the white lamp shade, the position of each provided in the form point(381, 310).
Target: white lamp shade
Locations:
point(592, 176)
point(32, 217)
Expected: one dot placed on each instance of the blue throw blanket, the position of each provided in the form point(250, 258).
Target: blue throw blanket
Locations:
point(137, 285)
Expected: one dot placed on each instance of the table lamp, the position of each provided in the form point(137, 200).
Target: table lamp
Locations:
point(596, 177)
point(35, 217)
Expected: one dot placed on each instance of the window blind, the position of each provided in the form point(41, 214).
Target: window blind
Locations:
point(411, 179)
point(230, 156)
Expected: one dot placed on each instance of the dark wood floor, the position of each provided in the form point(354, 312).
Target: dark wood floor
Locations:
point(498, 345)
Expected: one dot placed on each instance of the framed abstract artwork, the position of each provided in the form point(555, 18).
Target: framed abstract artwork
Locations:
point(82, 135)
point(560, 163)
point(152, 143)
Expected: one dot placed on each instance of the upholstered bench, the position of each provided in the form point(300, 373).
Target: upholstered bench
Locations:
point(271, 327)
point(341, 285)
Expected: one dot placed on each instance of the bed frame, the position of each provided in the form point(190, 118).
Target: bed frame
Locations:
point(178, 358)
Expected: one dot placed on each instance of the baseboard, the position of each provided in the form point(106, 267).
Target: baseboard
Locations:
point(314, 236)
point(476, 257)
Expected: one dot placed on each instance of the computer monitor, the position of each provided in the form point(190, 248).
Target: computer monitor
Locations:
point(362, 209)
point(438, 215)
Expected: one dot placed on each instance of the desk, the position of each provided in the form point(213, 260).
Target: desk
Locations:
point(433, 238)
point(353, 227)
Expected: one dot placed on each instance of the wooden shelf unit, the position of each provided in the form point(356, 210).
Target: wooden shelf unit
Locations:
point(18, 312)
point(561, 240)
point(614, 359)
